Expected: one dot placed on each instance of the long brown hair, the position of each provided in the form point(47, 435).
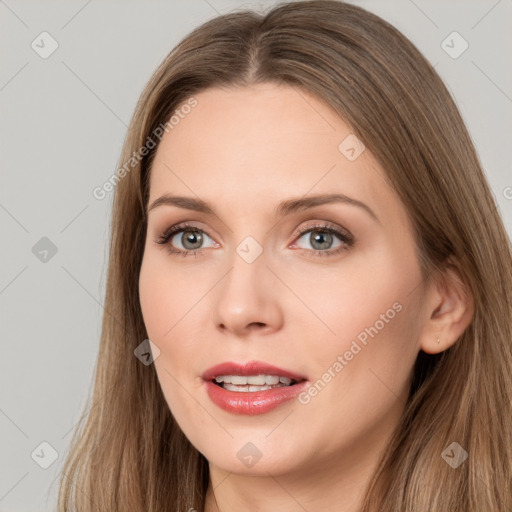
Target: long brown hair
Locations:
point(128, 452)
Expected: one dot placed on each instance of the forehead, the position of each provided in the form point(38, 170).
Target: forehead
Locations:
point(261, 143)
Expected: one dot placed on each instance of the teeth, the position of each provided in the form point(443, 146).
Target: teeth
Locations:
point(258, 380)
point(238, 379)
point(258, 388)
point(247, 388)
point(252, 383)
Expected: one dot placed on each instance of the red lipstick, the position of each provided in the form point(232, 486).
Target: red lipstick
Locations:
point(254, 401)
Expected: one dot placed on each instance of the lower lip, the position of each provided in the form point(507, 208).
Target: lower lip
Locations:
point(252, 402)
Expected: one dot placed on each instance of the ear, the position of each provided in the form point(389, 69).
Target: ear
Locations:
point(449, 309)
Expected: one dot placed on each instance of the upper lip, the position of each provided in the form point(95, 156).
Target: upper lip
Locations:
point(249, 368)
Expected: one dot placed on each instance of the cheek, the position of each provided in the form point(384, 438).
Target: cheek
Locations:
point(364, 291)
point(164, 305)
point(370, 316)
point(170, 306)
point(164, 298)
point(361, 380)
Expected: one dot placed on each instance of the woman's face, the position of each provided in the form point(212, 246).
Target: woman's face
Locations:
point(328, 292)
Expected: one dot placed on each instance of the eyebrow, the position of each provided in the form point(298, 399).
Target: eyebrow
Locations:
point(284, 208)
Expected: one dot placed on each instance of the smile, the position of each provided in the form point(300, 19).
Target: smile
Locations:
point(251, 388)
point(252, 383)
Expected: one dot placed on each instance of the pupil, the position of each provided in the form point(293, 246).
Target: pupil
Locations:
point(193, 237)
point(321, 239)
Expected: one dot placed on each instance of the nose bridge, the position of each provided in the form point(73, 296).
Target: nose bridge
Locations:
point(246, 296)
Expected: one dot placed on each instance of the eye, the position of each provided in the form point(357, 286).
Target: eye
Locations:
point(325, 240)
point(184, 239)
point(189, 239)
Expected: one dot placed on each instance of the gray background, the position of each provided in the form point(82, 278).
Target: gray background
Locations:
point(63, 121)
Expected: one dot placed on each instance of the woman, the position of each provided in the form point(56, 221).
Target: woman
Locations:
point(309, 288)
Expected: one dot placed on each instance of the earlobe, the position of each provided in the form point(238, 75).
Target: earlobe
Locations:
point(449, 311)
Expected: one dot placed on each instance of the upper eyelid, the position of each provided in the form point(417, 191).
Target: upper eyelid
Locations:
point(324, 225)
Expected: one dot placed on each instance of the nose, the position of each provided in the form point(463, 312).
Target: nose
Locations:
point(247, 300)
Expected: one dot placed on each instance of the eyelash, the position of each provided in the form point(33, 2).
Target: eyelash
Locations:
point(344, 237)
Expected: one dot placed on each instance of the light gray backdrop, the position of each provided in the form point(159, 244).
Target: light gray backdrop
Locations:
point(64, 114)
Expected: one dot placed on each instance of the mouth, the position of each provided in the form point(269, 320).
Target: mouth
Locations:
point(253, 374)
point(251, 388)
point(252, 383)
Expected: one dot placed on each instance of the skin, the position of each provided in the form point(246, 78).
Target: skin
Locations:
point(243, 151)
